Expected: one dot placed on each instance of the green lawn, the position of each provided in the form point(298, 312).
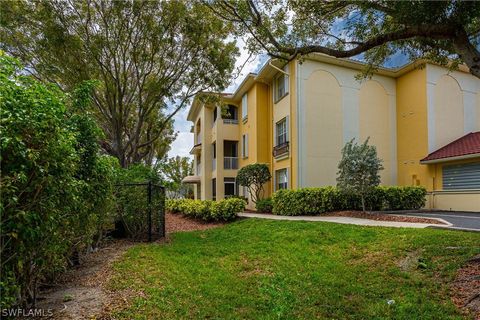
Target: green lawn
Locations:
point(259, 269)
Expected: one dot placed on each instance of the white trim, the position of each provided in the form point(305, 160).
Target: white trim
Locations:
point(297, 81)
point(467, 156)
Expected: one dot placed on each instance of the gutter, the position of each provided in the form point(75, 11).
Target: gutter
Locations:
point(463, 157)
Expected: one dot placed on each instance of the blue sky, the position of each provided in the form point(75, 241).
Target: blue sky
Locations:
point(184, 142)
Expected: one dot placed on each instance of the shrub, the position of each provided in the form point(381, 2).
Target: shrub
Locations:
point(314, 201)
point(403, 198)
point(207, 210)
point(56, 187)
point(131, 201)
point(264, 205)
point(254, 176)
point(358, 170)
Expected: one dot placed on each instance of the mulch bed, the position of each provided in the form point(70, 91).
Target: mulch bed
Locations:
point(178, 222)
point(382, 217)
point(466, 288)
point(373, 216)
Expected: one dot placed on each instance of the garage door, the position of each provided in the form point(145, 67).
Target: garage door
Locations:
point(461, 176)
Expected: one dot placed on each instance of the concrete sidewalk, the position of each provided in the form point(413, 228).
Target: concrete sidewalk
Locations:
point(344, 220)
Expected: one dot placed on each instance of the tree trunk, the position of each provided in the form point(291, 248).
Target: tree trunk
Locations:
point(363, 202)
point(467, 52)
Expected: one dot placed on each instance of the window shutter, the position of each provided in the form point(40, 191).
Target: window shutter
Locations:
point(287, 124)
point(274, 181)
point(288, 178)
point(275, 134)
point(244, 106)
point(286, 78)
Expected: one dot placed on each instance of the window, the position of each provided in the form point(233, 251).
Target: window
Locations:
point(282, 136)
point(281, 177)
point(244, 107)
point(461, 176)
point(230, 187)
point(214, 189)
point(245, 146)
point(281, 84)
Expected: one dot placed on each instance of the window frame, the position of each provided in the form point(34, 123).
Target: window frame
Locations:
point(286, 78)
point(281, 185)
point(284, 134)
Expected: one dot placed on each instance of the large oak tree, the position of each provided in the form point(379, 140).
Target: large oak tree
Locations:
point(149, 57)
point(441, 31)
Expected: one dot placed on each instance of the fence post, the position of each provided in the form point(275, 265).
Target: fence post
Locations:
point(164, 195)
point(149, 211)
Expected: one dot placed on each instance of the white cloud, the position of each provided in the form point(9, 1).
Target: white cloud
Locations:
point(182, 145)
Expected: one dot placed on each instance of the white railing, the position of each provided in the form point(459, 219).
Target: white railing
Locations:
point(199, 169)
point(230, 163)
point(214, 164)
point(230, 121)
point(198, 139)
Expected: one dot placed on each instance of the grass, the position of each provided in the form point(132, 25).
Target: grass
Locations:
point(259, 269)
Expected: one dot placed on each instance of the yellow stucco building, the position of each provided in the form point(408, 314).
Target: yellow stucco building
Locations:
point(423, 119)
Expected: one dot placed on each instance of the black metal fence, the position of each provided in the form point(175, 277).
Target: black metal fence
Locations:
point(141, 209)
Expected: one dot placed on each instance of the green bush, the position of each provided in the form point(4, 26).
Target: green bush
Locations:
point(131, 200)
point(207, 210)
point(56, 187)
point(264, 205)
point(313, 201)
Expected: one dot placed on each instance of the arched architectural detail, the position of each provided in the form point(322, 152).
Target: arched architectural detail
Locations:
point(448, 110)
point(323, 128)
point(375, 123)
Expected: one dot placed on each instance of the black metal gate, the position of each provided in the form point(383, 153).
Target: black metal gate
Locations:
point(141, 207)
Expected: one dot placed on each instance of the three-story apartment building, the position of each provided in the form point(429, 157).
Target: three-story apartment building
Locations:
point(423, 119)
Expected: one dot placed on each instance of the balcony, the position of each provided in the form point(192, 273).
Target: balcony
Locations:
point(230, 163)
point(197, 149)
point(230, 121)
point(281, 150)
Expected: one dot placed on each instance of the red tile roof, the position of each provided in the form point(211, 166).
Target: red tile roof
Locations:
point(466, 145)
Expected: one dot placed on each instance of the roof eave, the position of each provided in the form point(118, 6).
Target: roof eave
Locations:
point(462, 157)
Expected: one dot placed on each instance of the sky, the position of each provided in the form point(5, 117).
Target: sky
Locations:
point(184, 142)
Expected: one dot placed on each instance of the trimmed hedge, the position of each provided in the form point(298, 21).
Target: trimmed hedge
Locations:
point(314, 201)
point(207, 210)
point(264, 205)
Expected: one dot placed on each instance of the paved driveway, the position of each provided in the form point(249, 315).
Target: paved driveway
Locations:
point(459, 220)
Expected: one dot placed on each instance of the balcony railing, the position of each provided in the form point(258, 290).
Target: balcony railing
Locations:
point(198, 139)
point(214, 164)
point(230, 121)
point(199, 169)
point(230, 163)
point(281, 149)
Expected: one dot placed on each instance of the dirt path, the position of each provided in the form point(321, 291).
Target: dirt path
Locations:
point(81, 292)
point(466, 288)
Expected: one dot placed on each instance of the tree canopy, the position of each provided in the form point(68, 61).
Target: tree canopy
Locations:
point(148, 57)
point(254, 176)
point(286, 29)
point(173, 170)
